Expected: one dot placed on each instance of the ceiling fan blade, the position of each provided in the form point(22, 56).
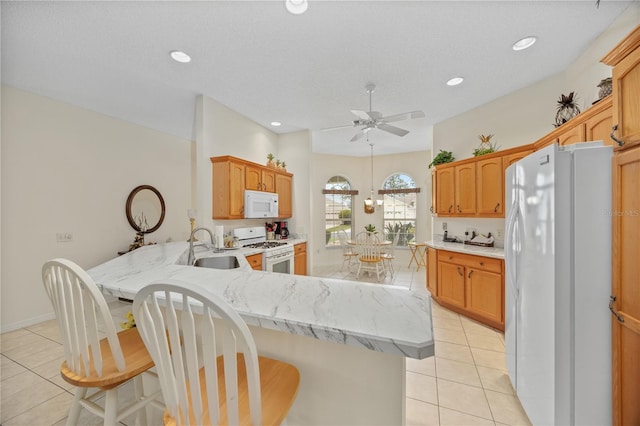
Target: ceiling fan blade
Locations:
point(392, 129)
point(375, 115)
point(404, 116)
point(360, 114)
point(360, 134)
point(338, 127)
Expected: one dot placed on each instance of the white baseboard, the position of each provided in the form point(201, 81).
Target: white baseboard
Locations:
point(27, 323)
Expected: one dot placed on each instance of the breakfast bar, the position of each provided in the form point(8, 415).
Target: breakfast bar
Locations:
point(348, 339)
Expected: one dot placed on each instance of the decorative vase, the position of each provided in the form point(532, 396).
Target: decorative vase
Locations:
point(606, 87)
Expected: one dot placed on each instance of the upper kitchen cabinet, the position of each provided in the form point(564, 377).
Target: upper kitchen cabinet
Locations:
point(465, 193)
point(228, 188)
point(444, 191)
point(598, 126)
point(625, 60)
point(258, 178)
point(572, 134)
point(231, 176)
point(490, 187)
point(284, 189)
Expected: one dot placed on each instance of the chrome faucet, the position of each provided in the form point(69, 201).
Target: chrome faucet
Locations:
point(191, 258)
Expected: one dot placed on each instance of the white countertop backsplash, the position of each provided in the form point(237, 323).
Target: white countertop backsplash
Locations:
point(378, 317)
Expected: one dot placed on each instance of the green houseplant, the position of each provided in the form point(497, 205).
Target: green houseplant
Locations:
point(442, 157)
point(486, 146)
point(370, 228)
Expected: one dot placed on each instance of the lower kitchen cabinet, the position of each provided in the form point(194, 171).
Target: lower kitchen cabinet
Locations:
point(432, 270)
point(255, 260)
point(300, 259)
point(470, 285)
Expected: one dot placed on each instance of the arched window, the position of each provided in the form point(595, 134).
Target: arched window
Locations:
point(338, 200)
point(400, 203)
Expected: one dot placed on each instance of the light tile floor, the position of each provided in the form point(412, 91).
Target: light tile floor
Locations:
point(465, 383)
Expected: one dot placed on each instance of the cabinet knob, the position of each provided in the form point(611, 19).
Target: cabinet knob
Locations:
point(459, 209)
point(620, 142)
point(470, 272)
point(495, 210)
point(460, 272)
point(481, 263)
point(450, 207)
point(431, 209)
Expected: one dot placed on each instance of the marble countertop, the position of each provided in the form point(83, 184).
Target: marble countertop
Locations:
point(377, 317)
point(496, 252)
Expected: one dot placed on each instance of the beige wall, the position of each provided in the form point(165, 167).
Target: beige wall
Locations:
point(69, 170)
point(358, 171)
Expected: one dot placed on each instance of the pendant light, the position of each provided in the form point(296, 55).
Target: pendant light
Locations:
point(369, 203)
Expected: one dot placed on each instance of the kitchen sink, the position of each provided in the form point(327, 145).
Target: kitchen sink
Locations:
point(219, 262)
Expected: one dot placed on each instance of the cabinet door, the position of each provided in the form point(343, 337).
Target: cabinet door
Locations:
point(484, 294)
point(451, 283)
point(300, 259)
point(572, 135)
point(236, 190)
point(625, 287)
point(432, 270)
point(465, 189)
point(434, 191)
point(598, 127)
point(626, 102)
point(268, 180)
point(285, 200)
point(508, 160)
point(253, 178)
point(445, 191)
point(255, 260)
point(490, 184)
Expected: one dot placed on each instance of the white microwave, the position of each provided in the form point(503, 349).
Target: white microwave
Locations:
point(258, 204)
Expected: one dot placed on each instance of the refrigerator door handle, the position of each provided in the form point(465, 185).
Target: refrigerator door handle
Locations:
point(511, 221)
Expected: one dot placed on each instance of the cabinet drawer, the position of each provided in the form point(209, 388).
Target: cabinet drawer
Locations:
point(300, 248)
point(479, 262)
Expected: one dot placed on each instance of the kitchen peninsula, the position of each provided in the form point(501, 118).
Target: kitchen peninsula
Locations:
point(348, 339)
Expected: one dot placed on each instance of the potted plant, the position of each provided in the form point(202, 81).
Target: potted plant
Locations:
point(486, 146)
point(370, 228)
point(270, 164)
point(441, 158)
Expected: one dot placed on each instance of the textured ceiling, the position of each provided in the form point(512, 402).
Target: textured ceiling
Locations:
point(306, 71)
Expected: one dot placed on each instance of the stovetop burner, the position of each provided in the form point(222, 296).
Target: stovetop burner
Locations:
point(265, 244)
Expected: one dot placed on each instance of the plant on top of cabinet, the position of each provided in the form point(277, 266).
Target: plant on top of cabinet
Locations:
point(486, 146)
point(441, 158)
point(567, 108)
point(270, 164)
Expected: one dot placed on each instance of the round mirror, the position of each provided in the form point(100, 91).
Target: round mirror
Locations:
point(145, 209)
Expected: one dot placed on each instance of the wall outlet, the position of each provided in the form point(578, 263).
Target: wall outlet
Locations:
point(65, 237)
point(500, 233)
point(444, 226)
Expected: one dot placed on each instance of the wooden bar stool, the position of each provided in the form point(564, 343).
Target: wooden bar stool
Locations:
point(207, 361)
point(105, 364)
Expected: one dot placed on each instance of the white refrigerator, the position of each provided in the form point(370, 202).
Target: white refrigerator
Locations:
point(558, 281)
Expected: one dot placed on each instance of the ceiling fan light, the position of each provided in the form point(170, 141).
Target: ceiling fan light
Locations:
point(524, 43)
point(296, 7)
point(455, 81)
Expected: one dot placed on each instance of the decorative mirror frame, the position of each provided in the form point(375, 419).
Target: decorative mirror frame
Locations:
point(132, 222)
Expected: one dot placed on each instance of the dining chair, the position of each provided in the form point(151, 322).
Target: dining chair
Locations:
point(207, 360)
point(90, 362)
point(389, 255)
point(369, 257)
point(349, 254)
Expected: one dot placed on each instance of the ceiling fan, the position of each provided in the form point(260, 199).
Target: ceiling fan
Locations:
point(375, 120)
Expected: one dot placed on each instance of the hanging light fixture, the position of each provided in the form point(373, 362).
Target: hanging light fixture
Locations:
point(369, 203)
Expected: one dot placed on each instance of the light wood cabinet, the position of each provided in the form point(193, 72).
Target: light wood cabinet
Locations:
point(432, 271)
point(599, 126)
point(508, 160)
point(231, 176)
point(255, 260)
point(260, 179)
point(465, 189)
point(445, 190)
point(572, 134)
point(228, 189)
point(625, 211)
point(434, 191)
point(625, 59)
point(490, 187)
point(300, 259)
point(472, 285)
point(284, 189)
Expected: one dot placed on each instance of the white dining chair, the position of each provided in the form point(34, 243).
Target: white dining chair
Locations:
point(207, 360)
point(369, 256)
point(90, 362)
point(389, 254)
point(349, 254)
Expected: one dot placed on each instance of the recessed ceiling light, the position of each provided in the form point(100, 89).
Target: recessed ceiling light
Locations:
point(297, 7)
point(524, 43)
point(180, 56)
point(276, 123)
point(455, 81)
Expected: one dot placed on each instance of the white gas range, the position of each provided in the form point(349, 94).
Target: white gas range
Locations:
point(277, 255)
